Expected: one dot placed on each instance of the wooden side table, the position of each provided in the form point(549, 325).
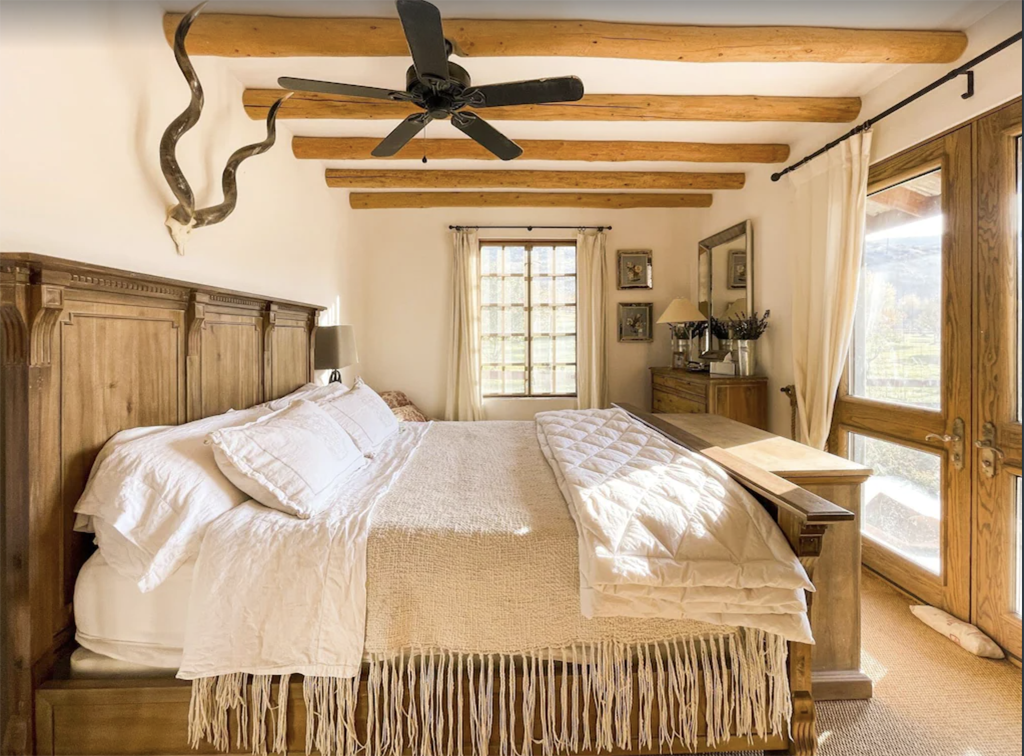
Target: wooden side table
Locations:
point(835, 609)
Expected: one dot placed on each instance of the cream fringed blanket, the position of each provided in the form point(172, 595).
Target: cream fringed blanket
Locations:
point(473, 620)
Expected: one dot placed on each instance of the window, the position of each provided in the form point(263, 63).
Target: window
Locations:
point(528, 318)
point(897, 344)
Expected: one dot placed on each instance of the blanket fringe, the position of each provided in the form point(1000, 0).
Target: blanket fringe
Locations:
point(549, 702)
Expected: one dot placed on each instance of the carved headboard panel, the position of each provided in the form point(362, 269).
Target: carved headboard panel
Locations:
point(90, 351)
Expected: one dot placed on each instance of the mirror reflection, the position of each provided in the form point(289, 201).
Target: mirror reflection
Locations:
point(725, 273)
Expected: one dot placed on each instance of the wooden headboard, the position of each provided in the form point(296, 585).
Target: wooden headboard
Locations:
point(89, 351)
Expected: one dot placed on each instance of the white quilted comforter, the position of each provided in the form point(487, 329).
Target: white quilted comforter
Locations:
point(664, 532)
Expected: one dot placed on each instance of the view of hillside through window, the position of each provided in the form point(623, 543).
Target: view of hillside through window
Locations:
point(896, 358)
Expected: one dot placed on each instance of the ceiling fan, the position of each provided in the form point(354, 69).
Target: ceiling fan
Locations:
point(443, 89)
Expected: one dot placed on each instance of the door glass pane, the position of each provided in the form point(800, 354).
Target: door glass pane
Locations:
point(897, 346)
point(902, 500)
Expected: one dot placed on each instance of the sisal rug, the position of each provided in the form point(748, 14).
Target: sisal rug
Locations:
point(931, 697)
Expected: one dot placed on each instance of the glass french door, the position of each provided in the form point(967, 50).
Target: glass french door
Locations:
point(931, 400)
point(905, 403)
point(996, 585)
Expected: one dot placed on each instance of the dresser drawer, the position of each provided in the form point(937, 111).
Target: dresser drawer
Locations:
point(694, 392)
point(672, 402)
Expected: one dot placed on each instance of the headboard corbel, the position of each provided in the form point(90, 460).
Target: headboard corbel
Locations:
point(47, 306)
point(89, 351)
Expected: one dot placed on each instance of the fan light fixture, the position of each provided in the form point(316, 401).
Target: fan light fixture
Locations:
point(443, 89)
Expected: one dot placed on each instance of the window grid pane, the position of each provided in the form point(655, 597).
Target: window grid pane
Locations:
point(528, 319)
point(897, 346)
point(902, 500)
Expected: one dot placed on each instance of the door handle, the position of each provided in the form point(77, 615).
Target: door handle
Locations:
point(955, 440)
point(990, 453)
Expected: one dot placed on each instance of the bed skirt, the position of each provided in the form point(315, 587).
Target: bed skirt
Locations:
point(587, 697)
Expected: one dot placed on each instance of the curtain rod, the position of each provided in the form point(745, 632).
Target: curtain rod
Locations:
point(964, 70)
point(530, 228)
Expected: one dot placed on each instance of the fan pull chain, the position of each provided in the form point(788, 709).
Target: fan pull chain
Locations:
point(425, 144)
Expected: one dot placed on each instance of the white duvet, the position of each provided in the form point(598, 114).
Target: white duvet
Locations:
point(664, 532)
point(274, 594)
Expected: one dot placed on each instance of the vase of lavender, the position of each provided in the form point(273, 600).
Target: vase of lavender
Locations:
point(742, 332)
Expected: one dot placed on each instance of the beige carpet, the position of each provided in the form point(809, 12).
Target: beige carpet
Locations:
point(931, 697)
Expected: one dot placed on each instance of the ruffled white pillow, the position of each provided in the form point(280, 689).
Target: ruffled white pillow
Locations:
point(288, 460)
point(310, 391)
point(364, 416)
point(159, 489)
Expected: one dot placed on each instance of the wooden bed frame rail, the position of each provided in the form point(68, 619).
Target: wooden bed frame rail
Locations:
point(89, 351)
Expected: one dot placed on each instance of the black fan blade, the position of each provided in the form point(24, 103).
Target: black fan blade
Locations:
point(331, 88)
point(537, 91)
point(486, 135)
point(422, 24)
point(401, 135)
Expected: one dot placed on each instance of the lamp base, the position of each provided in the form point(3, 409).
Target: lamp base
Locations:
point(335, 377)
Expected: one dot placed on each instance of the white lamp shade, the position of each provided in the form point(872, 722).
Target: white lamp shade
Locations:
point(682, 311)
point(335, 347)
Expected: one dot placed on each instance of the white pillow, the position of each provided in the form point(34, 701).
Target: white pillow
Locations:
point(160, 490)
point(310, 391)
point(289, 459)
point(363, 415)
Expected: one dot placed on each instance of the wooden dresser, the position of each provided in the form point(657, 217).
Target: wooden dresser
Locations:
point(835, 610)
point(744, 400)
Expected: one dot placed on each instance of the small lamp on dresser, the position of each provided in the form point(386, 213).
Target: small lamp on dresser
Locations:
point(683, 312)
point(335, 349)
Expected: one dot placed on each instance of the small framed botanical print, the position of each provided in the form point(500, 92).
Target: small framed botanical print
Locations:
point(635, 320)
point(636, 270)
point(738, 269)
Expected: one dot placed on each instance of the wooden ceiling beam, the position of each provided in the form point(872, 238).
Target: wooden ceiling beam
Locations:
point(255, 36)
point(396, 200)
point(359, 148)
point(618, 180)
point(597, 107)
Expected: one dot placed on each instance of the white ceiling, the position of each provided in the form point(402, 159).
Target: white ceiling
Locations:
point(613, 76)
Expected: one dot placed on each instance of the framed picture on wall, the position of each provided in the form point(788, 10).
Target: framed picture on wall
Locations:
point(635, 319)
point(737, 278)
point(636, 271)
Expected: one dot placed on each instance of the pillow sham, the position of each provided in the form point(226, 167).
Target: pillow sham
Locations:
point(409, 413)
point(289, 459)
point(159, 491)
point(363, 415)
point(310, 391)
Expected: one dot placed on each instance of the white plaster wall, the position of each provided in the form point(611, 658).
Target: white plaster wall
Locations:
point(86, 90)
point(404, 259)
point(768, 204)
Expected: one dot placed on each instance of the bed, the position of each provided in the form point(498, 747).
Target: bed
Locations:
point(170, 352)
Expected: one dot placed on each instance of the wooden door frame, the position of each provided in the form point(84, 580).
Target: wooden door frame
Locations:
point(908, 426)
point(995, 318)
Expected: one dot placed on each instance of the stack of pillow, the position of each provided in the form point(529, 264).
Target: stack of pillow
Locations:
point(153, 491)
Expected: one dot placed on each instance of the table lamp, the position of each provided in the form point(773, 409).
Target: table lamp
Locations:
point(683, 312)
point(335, 349)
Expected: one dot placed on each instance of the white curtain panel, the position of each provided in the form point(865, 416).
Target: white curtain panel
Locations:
point(828, 238)
point(591, 386)
point(464, 400)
